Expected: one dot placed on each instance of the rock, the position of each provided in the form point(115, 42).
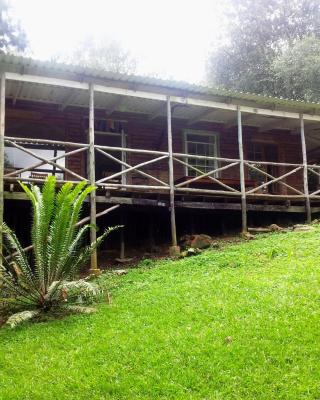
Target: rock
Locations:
point(247, 235)
point(259, 230)
point(275, 227)
point(185, 241)
point(228, 339)
point(303, 228)
point(120, 271)
point(201, 241)
point(315, 221)
point(193, 251)
point(124, 260)
point(215, 245)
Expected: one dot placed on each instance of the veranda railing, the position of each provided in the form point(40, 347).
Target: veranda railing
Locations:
point(23, 143)
point(154, 183)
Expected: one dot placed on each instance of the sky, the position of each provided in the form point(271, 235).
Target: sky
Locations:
point(170, 39)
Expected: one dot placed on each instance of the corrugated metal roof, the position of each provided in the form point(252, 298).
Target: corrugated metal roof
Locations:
point(28, 65)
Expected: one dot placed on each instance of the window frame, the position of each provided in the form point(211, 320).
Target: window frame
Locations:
point(216, 147)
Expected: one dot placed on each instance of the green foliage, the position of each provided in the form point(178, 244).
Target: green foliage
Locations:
point(257, 34)
point(46, 281)
point(297, 70)
point(20, 317)
point(105, 54)
point(12, 37)
point(7, 163)
point(241, 323)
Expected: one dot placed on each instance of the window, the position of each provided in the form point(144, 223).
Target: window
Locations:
point(256, 152)
point(17, 159)
point(200, 144)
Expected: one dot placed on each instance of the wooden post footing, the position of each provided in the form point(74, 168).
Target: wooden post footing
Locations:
point(174, 251)
point(95, 272)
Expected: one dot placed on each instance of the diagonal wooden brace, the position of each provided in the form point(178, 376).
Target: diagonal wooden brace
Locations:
point(125, 164)
point(132, 168)
point(209, 176)
point(273, 177)
point(274, 180)
point(81, 178)
point(31, 167)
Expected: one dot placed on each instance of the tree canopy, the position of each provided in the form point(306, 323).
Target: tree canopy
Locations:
point(104, 54)
point(297, 70)
point(259, 42)
point(12, 37)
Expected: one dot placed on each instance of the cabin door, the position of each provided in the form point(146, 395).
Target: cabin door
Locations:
point(110, 133)
point(271, 154)
point(265, 152)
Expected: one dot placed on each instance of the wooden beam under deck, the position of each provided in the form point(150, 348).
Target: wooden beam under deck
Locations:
point(202, 205)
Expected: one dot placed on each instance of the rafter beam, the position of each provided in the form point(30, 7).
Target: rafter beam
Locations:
point(308, 127)
point(230, 122)
point(202, 115)
point(118, 102)
point(313, 136)
point(70, 97)
point(17, 93)
point(158, 111)
point(249, 120)
point(280, 123)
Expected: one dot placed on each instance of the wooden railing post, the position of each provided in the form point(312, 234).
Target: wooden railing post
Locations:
point(242, 178)
point(2, 131)
point(123, 157)
point(94, 270)
point(305, 169)
point(174, 249)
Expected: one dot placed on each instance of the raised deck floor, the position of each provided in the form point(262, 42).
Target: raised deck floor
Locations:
point(139, 198)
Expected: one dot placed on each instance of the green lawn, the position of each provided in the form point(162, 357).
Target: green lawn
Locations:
point(242, 323)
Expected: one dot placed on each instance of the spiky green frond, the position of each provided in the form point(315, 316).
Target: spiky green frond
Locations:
point(47, 278)
point(23, 316)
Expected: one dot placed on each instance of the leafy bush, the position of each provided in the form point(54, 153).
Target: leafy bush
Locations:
point(45, 279)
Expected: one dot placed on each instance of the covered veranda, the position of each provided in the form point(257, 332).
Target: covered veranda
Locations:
point(157, 101)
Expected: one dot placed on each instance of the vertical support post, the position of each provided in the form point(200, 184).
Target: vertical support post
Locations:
point(55, 153)
point(305, 169)
point(122, 242)
point(174, 249)
point(94, 270)
point(2, 131)
point(242, 179)
point(123, 156)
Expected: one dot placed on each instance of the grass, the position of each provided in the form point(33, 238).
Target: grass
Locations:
point(240, 323)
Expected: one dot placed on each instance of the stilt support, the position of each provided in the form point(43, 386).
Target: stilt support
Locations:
point(171, 181)
point(242, 179)
point(305, 169)
point(94, 270)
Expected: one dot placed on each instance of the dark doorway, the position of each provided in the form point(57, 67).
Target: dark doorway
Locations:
point(265, 152)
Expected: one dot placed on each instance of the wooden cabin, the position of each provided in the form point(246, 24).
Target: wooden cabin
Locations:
point(148, 143)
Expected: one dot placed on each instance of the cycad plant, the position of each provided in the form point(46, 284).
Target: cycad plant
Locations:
point(46, 278)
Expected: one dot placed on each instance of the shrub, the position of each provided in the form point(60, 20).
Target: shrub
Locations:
point(46, 279)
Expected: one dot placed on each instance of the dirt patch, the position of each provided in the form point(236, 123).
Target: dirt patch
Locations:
point(107, 259)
